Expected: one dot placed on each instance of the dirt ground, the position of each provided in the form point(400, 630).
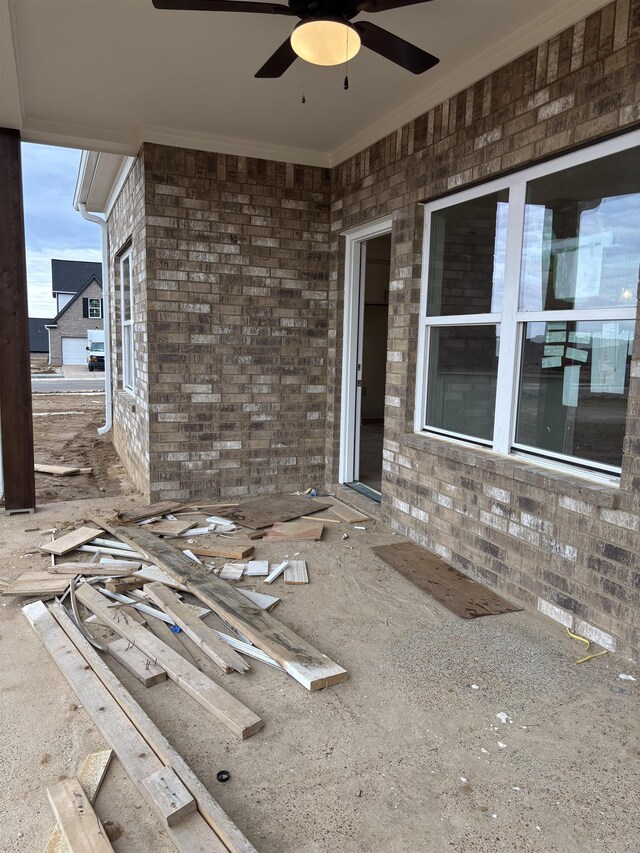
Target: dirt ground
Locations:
point(407, 756)
point(65, 432)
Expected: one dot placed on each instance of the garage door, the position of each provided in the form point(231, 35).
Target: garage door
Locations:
point(74, 350)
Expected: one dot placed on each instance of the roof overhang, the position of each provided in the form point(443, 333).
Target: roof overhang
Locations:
point(100, 178)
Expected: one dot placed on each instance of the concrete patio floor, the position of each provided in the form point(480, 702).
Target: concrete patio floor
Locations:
point(404, 757)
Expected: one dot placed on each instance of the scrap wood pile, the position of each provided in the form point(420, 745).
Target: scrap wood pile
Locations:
point(133, 575)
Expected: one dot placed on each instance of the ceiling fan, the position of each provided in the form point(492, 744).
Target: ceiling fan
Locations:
point(324, 35)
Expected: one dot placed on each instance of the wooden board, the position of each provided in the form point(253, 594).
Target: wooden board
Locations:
point(276, 571)
point(195, 629)
point(139, 514)
point(300, 659)
point(37, 583)
point(79, 824)
point(295, 531)
point(171, 795)
point(264, 602)
point(136, 662)
point(121, 569)
point(170, 528)
point(232, 571)
point(211, 811)
point(124, 585)
point(463, 596)
point(175, 641)
point(296, 572)
point(220, 704)
point(265, 511)
point(71, 541)
point(226, 550)
point(257, 568)
point(57, 470)
point(153, 573)
point(342, 511)
point(193, 834)
point(92, 772)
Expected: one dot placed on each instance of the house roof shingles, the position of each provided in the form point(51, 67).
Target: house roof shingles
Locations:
point(38, 335)
point(72, 276)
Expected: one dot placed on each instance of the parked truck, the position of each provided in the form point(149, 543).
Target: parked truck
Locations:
point(95, 348)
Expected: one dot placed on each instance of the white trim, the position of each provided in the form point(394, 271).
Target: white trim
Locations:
point(512, 320)
point(128, 377)
point(350, 339)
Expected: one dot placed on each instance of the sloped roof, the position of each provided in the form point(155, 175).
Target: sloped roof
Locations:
point(74, 299)
point(38, 335)
point(73, 276)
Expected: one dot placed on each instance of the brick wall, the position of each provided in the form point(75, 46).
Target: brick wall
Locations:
point(130, 411)
point(534, 535)
point(237, 322)
point(72, 324)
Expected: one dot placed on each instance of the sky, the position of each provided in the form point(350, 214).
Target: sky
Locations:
point(53, 228)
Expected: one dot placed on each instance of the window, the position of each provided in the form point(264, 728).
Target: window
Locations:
point(528, 309)
point(95, 309)
point(126, 320)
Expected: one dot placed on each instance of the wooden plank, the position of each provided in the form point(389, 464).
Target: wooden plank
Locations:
point(464, 596)
point(195, 629)
point(193, 834)
point(264, 602)
point(342, 511)
point(140, 513)
point(170, 528)
point(101, 569)
point(152, 573)
point(136, 662)
point(222, 549)
point(216, 818)
point(16, 423)
point(276, 572)
point(79, 824)
point(232, 571)
point(164, 633)
point(93, 770)
point(220, 704)
point(295, 531)
point(56, 470)
point(171, 795)
point(71, 541)
point(37, 583)
point(265, 511)
point(124, 585)
point(257, 568)
point(296, 572)
point(300, 659)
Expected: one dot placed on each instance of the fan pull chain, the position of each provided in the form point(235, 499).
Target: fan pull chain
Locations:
point(304, 84)
point(346, 64)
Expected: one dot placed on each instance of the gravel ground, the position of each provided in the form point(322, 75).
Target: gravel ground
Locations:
point(406, 756)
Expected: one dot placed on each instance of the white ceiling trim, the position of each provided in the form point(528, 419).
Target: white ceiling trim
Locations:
point(524, 39)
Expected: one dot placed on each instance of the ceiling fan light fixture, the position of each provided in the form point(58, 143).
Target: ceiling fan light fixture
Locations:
point(325, 41)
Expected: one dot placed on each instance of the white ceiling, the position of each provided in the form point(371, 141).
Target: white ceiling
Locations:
point(108, 74)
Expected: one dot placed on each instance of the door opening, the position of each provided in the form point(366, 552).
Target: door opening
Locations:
point(366, 333)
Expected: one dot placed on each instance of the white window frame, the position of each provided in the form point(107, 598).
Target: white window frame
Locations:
point(128, 364)
point(97, 307)
point(511, 320)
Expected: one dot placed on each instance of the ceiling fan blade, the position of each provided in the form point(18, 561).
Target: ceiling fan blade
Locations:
point(396, 49)
point(278, 62)
point(385, 5)
point(224, 6)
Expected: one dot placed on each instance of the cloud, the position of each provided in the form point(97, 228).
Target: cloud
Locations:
point(53, 228)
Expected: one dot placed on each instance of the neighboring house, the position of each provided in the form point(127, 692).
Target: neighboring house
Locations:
point(38, 336)
point(77, 288)
point(511, 436)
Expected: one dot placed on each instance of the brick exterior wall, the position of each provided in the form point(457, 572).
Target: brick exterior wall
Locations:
point(127, 226)
point(237, 279)
point(545, 539)
point(244, 272)
point(72, 324)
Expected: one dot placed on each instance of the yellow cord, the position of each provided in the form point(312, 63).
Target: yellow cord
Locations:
point(576, 637)
point(589, 657)
point(588, 644)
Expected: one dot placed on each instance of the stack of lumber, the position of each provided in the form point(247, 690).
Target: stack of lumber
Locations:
point(162, 614)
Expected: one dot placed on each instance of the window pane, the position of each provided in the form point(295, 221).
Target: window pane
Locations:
point(573, 388)
point(126, 288)
point(466, 257)
point(582, 236)
point(463, 368)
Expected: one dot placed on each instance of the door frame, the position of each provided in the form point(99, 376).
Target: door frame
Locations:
point(351, 338)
